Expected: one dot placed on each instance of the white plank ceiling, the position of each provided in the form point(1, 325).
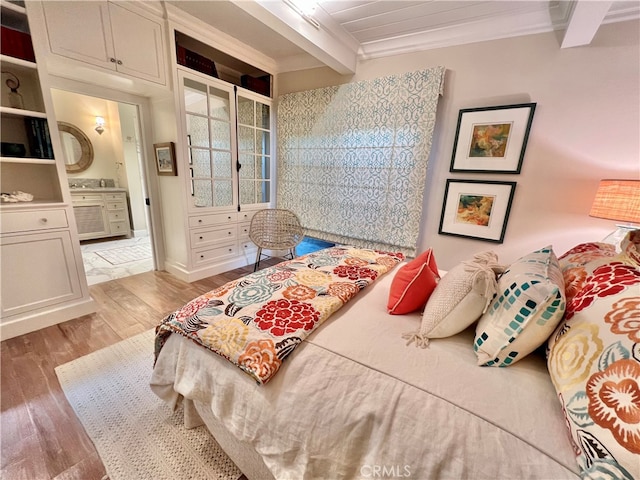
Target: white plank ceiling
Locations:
point(348, 30)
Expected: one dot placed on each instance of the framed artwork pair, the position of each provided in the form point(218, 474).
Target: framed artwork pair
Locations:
point(488, 140)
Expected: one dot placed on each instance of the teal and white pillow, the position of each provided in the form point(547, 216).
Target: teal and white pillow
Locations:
point(529, 305)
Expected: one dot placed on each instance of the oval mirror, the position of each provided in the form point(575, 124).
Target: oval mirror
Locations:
point(77, 148)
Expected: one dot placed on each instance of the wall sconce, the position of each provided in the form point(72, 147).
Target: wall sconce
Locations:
point(99, 125)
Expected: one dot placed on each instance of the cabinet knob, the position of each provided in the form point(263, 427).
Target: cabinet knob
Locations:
point(201, 256)
point(229, 218)
point(229, 233)
point(112, 60)
point(119, 62)
point(231, 250)
point(200, 221)
point(43, 220)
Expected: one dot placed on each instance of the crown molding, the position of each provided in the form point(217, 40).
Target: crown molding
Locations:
point(556, 17)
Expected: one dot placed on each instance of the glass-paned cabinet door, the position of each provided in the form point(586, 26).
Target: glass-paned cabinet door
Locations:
point(210, 130)
point(254, 150)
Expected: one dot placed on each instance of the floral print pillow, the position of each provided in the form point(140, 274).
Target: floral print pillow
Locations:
point(594, 358)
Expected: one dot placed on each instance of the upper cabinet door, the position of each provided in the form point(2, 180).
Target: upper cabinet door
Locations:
point(138, 44)
point(81, 30)
point(107, 35)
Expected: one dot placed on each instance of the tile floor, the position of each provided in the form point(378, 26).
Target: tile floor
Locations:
point(99, 270)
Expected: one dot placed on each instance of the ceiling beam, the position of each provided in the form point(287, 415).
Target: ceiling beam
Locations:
point(329, 42)
point(586, 18)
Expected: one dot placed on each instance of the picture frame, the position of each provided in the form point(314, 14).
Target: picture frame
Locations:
point(165, 158)
point(476, 209)
point(492, 139)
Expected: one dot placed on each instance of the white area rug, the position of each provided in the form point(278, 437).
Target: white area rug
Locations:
point(135, 433)
point(118, 256)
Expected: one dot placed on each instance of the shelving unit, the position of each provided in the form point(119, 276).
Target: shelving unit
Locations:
point(42, 277)
point(22, 167)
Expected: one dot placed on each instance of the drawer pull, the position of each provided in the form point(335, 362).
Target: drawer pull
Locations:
point(231, 249)
point(43, 220)
point(200, 221)
point(200, 238)
point(201, 256)
point(229, 233)
point(229, 218)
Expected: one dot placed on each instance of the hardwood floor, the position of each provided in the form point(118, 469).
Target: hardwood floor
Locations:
point(40, 436)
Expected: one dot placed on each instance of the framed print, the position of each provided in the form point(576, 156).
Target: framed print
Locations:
point(492, 139)
point(166, 158)
point(476, 209)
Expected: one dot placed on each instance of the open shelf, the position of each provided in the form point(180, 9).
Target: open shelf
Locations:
point(40, 180)
point(198, 56)
point(29, 160)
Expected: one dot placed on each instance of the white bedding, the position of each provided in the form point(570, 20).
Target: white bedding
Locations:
point(353, 400)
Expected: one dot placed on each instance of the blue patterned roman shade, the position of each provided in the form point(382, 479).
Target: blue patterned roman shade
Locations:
point(352, 159)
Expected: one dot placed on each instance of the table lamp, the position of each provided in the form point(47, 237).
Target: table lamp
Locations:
point(618, 200)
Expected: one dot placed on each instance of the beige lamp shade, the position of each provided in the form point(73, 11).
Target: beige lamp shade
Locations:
point(617, 200)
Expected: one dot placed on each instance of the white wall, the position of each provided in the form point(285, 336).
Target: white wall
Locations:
point(132, 181)
point(81, 111)
point(586, 128)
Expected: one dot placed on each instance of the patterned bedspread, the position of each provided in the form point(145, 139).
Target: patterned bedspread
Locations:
point(255, 322)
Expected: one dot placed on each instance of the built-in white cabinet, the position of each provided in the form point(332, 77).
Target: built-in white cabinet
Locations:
point(42, 280)
point(225, 154)
point(35, 273)
point(101, 214)
point(113, 36)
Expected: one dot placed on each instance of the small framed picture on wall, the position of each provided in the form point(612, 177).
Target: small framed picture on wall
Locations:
point(166, 158)
point(492, 139)
point(476, 209)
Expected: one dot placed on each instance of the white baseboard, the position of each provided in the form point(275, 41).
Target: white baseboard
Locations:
point(46, 318)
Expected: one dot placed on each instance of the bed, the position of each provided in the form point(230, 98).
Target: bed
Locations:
point(354, 401)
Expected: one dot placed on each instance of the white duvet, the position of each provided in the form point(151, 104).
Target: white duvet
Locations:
point(352, 401)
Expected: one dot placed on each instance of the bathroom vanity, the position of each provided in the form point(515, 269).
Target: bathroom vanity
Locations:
point(101, 212)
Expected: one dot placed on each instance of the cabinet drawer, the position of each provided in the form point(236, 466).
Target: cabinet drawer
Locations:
point(86, 197)
point(248, 247)
point(205, 238)
point(243, 231)
point(119, 228)
point(211, 255)
point(115, 205)
point(213, 219)
point(115, 197)
point(246, 216)
point(25, 221)
point(117, 215)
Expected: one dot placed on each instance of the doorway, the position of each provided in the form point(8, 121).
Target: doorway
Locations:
point(110, 194)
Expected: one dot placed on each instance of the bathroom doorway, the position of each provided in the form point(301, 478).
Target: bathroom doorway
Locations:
point(110, 194)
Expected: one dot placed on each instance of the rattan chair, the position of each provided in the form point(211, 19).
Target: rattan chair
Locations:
point(275, 229)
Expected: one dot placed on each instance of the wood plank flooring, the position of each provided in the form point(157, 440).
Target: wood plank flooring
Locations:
point(40, 436)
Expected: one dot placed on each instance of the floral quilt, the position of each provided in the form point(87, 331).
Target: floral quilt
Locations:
point(257, 321)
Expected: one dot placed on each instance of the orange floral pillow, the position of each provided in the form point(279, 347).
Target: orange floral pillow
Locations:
point(413, 284)
point(594, 362)
point(572, 264)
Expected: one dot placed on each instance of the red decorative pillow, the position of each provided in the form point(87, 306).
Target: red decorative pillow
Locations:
point(413, 284)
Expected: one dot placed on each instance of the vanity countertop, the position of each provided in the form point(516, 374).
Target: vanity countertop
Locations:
point(98, 189)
